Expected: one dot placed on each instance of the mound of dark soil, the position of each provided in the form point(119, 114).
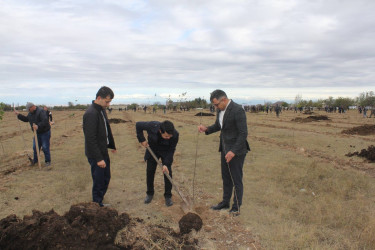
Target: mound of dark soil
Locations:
point(311, 118)
point(116, 120)
point(360, 130)
point(189, 222)
point(88, 226)
point(204, 114)
point(369, 154)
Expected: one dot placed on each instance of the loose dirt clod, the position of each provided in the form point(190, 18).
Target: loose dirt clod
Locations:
point(204, 114)
point(311, 118)
point(360, 130)
point(189, 222)
point(368, 154)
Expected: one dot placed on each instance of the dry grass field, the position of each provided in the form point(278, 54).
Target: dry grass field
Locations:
point(301, 191)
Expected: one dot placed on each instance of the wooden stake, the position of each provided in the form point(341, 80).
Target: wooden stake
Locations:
point(37, 146)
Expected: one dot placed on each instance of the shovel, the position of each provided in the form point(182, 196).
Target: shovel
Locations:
point(184, 199)
point(37, 147)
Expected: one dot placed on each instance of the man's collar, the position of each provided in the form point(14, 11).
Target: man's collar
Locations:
point(229, 101)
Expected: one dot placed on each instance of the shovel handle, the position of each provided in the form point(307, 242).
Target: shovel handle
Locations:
point(37, 147)
point(168, 176)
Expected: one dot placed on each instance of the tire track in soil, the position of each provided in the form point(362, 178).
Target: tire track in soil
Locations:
point(220, 230)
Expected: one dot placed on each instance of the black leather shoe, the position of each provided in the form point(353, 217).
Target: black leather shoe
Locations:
point(148, 199)
point(168, 202)
point(234, 211)
point(221, 205)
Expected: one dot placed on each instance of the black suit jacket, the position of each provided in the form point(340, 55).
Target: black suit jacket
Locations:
point(95, 133)
point(161, 147)
point(233, 135)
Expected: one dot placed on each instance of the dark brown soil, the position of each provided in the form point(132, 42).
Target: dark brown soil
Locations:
point(87, 226)
point(368, 153)
point(189, 222)
point(116, 120)
point(204, 114)
point(312, 118)
point(360, 130)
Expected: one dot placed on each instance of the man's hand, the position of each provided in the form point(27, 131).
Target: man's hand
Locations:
point(202, 128)
point(101, 164)
point(35, 127)
point(165, 169)
point(144, 144)
point(229, 156)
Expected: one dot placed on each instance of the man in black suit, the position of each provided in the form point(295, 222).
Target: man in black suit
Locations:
point(98, 138)
point(231, 121)
point(162, 138)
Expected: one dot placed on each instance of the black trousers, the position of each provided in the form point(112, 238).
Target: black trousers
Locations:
point(235, 167)
point(151, 169)
point(100, 179)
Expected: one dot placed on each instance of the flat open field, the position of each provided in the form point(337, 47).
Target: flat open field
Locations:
point(301, 191)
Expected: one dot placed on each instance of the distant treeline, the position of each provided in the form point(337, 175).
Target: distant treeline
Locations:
point(364, 99)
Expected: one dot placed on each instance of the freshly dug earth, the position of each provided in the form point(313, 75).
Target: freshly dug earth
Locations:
point(368, 154)
point(85, 226)
point(189, 222)
point(311, 118)
point(116, 120)
point(204, 114)
point(360, 130)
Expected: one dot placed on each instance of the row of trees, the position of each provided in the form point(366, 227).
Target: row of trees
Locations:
point(364, 99)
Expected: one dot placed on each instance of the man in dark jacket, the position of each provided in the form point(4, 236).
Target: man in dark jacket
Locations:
point(38, 120)
point(98, 138)
point(162, 139)
point(231, 121)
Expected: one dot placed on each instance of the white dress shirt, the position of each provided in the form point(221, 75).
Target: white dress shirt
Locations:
point(221, 114)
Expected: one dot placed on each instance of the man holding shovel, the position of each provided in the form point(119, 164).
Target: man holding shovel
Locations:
point(162, 139)
point(231, 121)
point(98, 138)
point(38, 120)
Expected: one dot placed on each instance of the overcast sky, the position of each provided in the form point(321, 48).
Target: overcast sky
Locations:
point(53, 52)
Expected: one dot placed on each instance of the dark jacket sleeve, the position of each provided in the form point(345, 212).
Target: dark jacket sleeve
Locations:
point(22, 118)
point(140, 127)
point(241, 127)
point(90, 127)
point(214, 127)
point(168, 159)
point(234, 132)
point(111, 140)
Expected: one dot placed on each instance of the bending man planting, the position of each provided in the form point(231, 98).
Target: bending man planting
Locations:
point(162, 139)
